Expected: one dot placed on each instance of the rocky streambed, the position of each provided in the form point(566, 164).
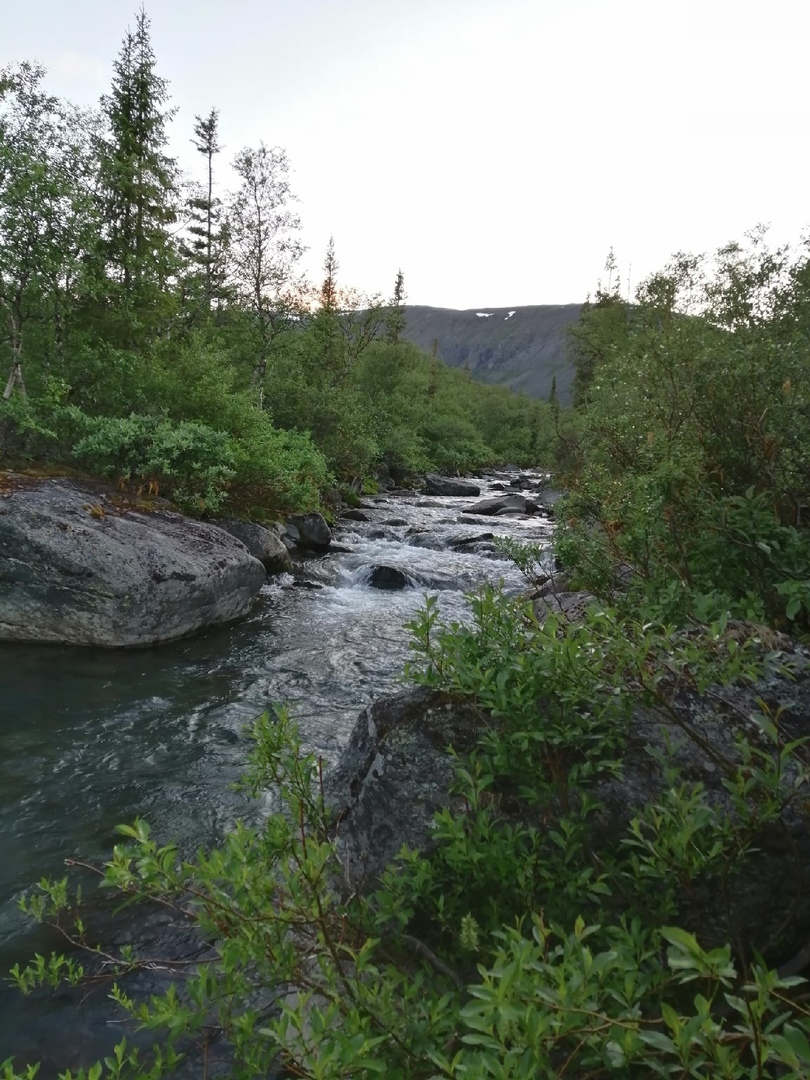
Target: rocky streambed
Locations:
point(91, 737)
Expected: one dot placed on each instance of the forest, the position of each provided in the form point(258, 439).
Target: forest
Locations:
point(157, 329)
point(554, 927)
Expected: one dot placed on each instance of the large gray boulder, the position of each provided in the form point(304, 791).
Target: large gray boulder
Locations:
point(78, 567)
point(393, 777)
point(397, 772)
point(448, 485)
point(263, 544)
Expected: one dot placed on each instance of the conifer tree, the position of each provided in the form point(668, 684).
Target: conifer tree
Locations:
point(138, 180)
point(395, 320)
point(207, 229)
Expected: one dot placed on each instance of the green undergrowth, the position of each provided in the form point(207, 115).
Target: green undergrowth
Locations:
point(524, 943)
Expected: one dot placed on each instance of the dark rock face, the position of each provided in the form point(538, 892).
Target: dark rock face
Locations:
point(353, 514)
point(393, 777)
point(396, 772)
point(263, 544)
point(77, 569)
point(447, 485)
point(503, 504)
point(313, 531)
point(388, 577)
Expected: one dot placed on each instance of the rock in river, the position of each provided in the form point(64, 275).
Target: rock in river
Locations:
point(76, 568)
point(263, 544)
point(448, 485)
point(504, 503)
point(388, 577)
point(310, 531)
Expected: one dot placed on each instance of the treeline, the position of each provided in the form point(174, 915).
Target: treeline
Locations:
point(159, 330)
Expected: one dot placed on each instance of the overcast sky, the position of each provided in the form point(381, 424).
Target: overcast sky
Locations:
point(493, 149)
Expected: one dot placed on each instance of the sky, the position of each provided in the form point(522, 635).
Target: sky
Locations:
point(494, 150)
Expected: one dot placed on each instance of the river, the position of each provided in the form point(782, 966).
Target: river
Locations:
point(90, 738)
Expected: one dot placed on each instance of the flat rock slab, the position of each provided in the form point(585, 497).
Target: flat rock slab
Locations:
point(76, 568)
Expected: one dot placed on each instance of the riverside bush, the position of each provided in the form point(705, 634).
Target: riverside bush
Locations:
point(690, 461)
point(514, 948)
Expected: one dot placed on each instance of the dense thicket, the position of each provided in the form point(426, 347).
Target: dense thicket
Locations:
point(158, 330)
point(688, 459)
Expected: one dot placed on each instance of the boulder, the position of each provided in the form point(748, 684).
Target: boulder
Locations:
point(570, 605)
point(263, 544)
point(448, 485)
point(397, 772)
point(354, 514)
point(78, 566)
point(312, 531)
point(388, 577)
point(393, 776)
point(502, 503)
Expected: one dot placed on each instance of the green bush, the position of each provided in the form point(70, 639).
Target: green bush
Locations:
point(188, 461)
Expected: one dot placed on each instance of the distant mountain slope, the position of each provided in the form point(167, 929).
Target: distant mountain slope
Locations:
point(521, 347)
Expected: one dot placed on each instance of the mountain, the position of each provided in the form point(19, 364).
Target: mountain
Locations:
point(521, 347)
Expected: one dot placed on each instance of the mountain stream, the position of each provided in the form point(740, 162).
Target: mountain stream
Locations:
point(91, 738)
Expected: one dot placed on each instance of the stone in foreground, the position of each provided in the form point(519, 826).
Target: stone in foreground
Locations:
point(77, 569)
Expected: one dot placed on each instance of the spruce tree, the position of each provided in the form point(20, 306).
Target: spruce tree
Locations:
point(138, 180)
point(395, 319)
point(205, 248)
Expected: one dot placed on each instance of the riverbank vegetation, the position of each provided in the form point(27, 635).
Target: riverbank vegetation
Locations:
point(531, 939)
point(527, 942)
point(157, 328)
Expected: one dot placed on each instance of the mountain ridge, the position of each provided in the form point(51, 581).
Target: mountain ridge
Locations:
point(523, 347)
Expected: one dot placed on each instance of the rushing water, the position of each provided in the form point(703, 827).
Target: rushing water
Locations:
point(91, 738)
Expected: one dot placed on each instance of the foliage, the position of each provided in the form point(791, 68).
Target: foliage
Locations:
point(188, 460)
point(142, 300)
point(507, 951)
point(690, 459)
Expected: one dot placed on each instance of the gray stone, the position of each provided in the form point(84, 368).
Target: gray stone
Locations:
point(388, 577)
point(449, 485)
point(78, 567)
point(570, 605)
point(393, 777)
point(313, 531)
point(503, 503)
point(397, 772)
point(264, 544)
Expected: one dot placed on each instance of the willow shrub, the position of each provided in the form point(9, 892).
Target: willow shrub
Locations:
point(691, 458)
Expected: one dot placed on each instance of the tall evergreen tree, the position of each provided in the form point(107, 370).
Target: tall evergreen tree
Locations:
point(207, 230)
point(138, 180)
point(395, 319)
